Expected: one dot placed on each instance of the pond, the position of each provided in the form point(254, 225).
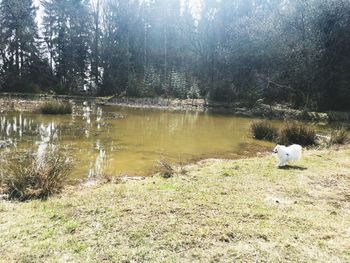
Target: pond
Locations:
point(126, 141)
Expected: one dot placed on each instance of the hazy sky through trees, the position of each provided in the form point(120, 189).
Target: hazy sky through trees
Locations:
point(196, 6)
point(241, 51)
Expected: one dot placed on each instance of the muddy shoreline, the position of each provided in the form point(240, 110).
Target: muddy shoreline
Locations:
point(278, 112)
point(32, 102)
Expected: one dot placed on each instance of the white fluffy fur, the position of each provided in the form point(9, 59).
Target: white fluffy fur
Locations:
point(287, 154)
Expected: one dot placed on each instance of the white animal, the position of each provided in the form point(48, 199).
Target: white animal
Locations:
point(287, 154)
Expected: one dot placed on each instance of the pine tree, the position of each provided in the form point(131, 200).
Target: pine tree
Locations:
point(19, 35)
point(67, 34)
point(96, 45)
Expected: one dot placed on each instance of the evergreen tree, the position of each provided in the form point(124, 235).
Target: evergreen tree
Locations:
point(289, 51)
point(19, 50)
point(67, 28)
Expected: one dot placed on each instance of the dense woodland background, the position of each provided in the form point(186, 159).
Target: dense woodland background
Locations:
point(291, 51)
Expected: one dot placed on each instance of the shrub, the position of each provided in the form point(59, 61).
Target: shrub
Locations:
point(56, 107)
point(165, 169)
point(263, 130)
point(32, 175)
point(339, 136)
point(297, 133)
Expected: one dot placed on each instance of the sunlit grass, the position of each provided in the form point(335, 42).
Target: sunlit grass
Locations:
point(242, 211)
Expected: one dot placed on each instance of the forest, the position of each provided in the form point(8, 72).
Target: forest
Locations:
point(295, 52)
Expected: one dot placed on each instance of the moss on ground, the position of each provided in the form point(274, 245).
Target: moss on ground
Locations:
point(219, 211)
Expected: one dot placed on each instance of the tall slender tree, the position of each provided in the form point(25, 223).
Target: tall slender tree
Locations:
point(289, 51)
point(67, 34)
point(19, 35)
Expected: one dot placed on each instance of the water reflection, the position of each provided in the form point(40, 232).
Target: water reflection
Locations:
point(47, 134)
point(98, 167)
point(14, 126)
point(128, 141)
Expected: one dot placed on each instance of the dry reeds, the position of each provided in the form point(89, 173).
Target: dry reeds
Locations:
point(263, 130)
point(30, 175)
point(56, 107)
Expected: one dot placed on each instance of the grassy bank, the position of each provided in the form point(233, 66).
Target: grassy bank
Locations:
point(243, 211)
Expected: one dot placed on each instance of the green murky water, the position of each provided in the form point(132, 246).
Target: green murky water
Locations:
point(126, 141)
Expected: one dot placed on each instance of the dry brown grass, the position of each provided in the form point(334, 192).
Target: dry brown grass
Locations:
point(297, 133)
point(165, 169)
point(339, 136)
point(56, 107)
point(263, 130)
point(27, 175)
